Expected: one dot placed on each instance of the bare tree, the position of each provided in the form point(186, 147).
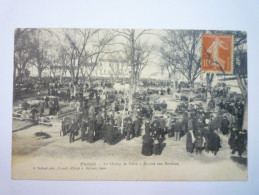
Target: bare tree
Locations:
point(240, 69)
point(82, 50)
point(118, 67)
point(98, 50)
point(182, 52)
point(53, 65)
point(23, 48)
point(136, 52)
point(240, 61)
point(239, 65)
point(76, 43)
point(63, 62)
point(41, 51)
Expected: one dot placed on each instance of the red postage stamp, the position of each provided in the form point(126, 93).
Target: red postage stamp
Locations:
point(217, 53)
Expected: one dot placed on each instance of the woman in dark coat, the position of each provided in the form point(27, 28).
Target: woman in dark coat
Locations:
point(225, 125)
point(156, 147)
point(109, 133)
point(157, 135)
point(213, 144)
point(217, 122)
point(232, 137)
point(240, 142)
point(147, 145)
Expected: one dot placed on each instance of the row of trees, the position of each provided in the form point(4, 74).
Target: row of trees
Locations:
point(181, 52)
point(79, 51)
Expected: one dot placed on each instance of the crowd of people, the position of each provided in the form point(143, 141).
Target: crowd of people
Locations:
point(35, 109)
point(104, 113)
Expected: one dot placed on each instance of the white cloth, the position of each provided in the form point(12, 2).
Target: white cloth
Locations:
point(192, 135)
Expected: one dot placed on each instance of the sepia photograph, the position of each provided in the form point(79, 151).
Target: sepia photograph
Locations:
point(130, 104)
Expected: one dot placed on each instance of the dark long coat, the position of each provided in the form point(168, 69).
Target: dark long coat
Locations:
point(147, 146)
point(213, 142)
point(91, 131)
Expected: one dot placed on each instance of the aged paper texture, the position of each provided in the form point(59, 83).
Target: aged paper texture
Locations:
point(129, 104)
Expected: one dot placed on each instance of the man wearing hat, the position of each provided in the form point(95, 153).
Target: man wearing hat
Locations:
point(225, 125)
point(137, 126)
point(171, 128)
point(129, 129)
point(84, 127)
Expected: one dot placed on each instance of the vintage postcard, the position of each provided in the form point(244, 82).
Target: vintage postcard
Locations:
point(129, 104)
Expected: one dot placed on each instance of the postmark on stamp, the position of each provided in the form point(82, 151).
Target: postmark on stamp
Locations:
point(217, 53)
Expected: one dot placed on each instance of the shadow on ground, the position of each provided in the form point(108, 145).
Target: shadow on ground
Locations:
point(25, 127)
point(42, 135)
point(239, 160)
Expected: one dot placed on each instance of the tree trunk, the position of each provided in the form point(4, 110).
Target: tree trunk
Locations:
point(243, 90)
point(75, 89)
point(209, 79)
point(39, 73)
point(14, 80)
point(61, 75)
point(14, 71)
point(245, 116)
point(191, 84)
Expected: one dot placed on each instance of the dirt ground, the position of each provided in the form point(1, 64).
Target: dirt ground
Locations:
point(44, 143)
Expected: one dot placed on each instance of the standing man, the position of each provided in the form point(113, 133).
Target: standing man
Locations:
point(177, 130)
point(84, 127)
point(168, 90)
point(225, 125)
point(91, 130)
point(73, 131)
point(109, 134)
point(99, 125)
point(41, 108)
point(150, 112)
point(137, 125)
point(162, 123)
point(129, 129)
point(171, 128)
